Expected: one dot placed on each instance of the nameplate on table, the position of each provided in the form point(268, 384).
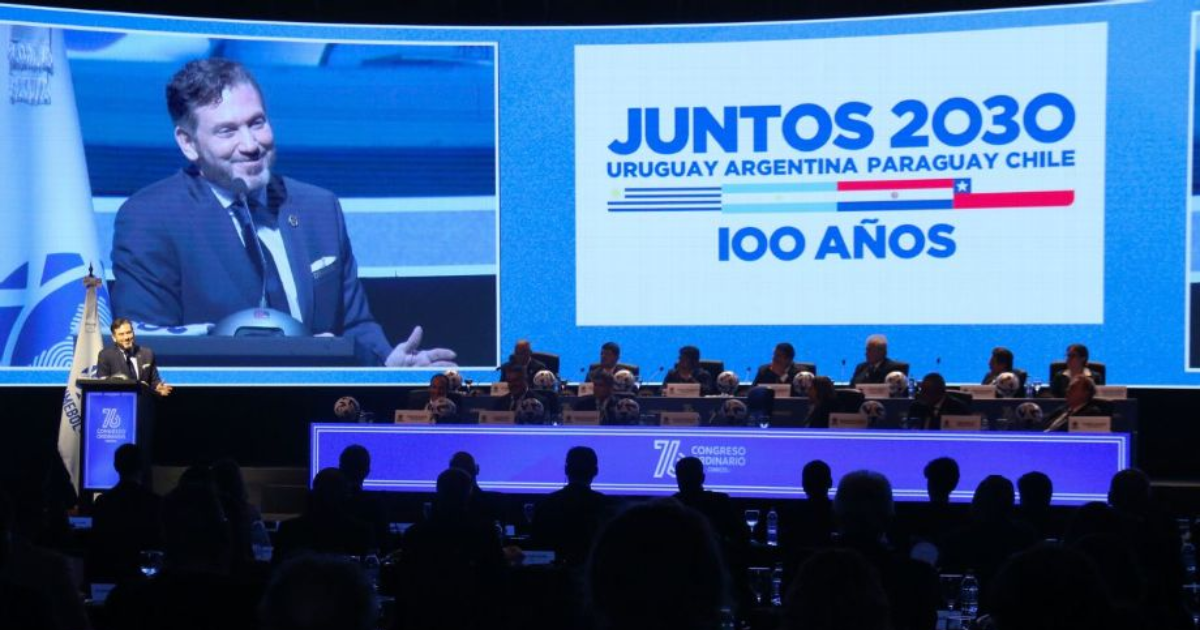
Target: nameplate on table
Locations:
point(682, 390)
point(679, 419)
point(848, 420)
point(412, 416)
point(1090, 424)
point(584, 418)
point(1112, 392)
point(497, 417)
point(875, 390)
point(980, 391)
point(962, 423)
point(782, 390)
point(499, 389)
point(585, 389)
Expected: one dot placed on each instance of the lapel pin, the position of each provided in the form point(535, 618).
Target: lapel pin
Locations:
point(293, 220)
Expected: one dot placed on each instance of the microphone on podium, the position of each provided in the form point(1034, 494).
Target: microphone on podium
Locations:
point(656, 375)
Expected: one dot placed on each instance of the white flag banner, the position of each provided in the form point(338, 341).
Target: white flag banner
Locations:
point(49, 240)
point(88, 344)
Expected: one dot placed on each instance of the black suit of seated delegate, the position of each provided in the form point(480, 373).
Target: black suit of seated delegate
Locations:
point(510, 402)
point(1063, 414)
point(923, 415)
point(699, 375)
point(866, 373)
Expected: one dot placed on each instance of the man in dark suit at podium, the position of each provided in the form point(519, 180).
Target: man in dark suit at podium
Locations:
point(127, 360)
point(877, 366)
point(227, 233)
point(932, 403)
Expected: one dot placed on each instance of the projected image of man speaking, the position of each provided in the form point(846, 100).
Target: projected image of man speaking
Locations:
point(226, 233)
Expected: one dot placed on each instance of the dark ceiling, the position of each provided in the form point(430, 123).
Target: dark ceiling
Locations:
point(539, 12)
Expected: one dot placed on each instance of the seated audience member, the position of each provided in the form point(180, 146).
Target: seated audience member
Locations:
point(808, 523)
point(125, 521)
point(567, 520)
point(822, 398)
point(313, 592)
point(482, 504)
point(1081, 401)
point(717, 507)
point(37, 589)
point(522, 355)
point(610, 361)
point(931, 522)
point(20, 605)
point(1154, 536)
point(518, 390)
point(992, 535)
point(240, 514)
point(326, 525)
point(361, 505)
point(1048, 588)
point(453, 567)
point(836, 589)
point(687, 370)
point(864, 508)
point(781, 369)
point(657, 567)
point(1036, 491)
point(195, 588)
point(1124, 582)
point(877, 366)
point(1077, 360)
point(932, 403)
point(1000, 362)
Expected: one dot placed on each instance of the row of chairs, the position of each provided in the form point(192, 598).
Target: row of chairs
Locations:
point(552, 363)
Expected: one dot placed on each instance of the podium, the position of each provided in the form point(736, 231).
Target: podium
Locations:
point(114, 412)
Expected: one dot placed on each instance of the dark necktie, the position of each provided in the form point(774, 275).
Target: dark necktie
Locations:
point(129, 365)
point(276, 297)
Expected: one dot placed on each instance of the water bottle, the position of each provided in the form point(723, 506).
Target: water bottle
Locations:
point(912, 388)
point(777, 585)
point(773, 529)
point(1188, 555)
point(1029, 389)
point(370, 566)
point(260, 542)
point(968, 595)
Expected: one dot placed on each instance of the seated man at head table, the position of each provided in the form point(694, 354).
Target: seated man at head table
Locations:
point(522, 355)
point(932, 403)
point(687, 370)
point(610, 361)
point(781, 369)
point(877, 366)
point(1077, 360)
point(439, 388)
point(603, 398)
point(1000, 362)
point(1081, 401)
point(518, 390)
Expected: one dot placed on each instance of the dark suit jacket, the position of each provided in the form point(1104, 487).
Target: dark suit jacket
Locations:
point(699, 375)
point(863, 373)
point(177, 259)
point(111, 362)
point(765, 375)
point(924, 416)
point(1058, 385)
point(1092, 408)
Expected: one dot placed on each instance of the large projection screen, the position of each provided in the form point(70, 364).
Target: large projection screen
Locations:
point(1019, 178)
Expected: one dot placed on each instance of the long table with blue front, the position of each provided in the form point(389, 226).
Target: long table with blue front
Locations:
point(1000, 413)
point(744, 462)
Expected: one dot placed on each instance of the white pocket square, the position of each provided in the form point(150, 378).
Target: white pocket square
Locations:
point(323, 262)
